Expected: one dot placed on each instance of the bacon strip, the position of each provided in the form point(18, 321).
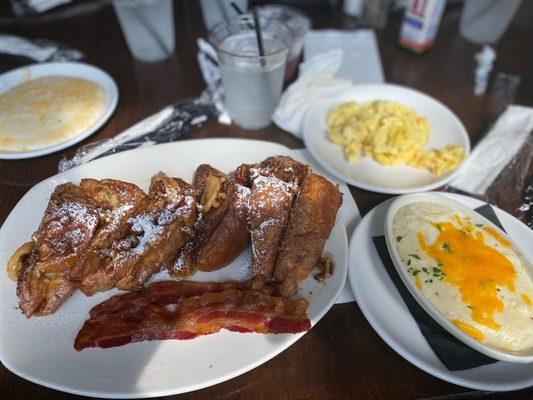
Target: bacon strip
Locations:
point(185, 310)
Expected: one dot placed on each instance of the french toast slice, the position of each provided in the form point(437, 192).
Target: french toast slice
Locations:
point(285, 169)
point(153, 235)
point(65, 233)
point(275, 183)
point(160, 231)
point(221, 233)
point(118, 201)
point(310, 222)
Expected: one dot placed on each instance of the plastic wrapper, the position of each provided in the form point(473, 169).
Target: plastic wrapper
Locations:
point(40, 50)
point(31, 7)
point(165, 126)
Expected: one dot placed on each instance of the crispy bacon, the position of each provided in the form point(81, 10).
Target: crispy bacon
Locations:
point(185, 310)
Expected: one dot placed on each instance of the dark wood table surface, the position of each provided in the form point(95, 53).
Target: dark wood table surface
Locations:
point(341, 357)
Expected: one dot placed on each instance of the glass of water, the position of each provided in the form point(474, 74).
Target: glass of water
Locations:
point(252, 83)
point(148, 26)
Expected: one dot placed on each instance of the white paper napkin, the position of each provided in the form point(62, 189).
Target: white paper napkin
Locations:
point(495, 150)
point(316, 82)
point(361, 62)
point(349, 212)
point(334, 61)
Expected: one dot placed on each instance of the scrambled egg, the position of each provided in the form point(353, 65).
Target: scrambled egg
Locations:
point(390, 133)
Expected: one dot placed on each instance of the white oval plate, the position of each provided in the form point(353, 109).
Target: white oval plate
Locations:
point(386, 311)
point(41, 349)
point(71, 69)
point(399, 202)
point(446, 129)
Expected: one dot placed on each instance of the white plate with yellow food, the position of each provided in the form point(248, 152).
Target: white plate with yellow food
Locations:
point(47, 107)
point(386, 138)
point(465, 272)
point(40, 349)
point(384, 308)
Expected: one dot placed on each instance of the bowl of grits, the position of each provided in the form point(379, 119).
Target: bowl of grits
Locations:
point(48, 107)
point(386, 138)
point(465, 272)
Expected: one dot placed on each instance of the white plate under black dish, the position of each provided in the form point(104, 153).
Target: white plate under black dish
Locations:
point(41, 349)
point(386, 311)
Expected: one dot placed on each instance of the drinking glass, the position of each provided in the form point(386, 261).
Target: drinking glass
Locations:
point(252, 83)
point(148, 26)
point(485, 21)
point(216, 11)
point(298, 23)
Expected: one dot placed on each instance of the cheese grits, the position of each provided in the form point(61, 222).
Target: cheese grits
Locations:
point(46, 111)
point(469, 272)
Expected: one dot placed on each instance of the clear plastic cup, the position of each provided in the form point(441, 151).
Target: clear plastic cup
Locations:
point(216, 11)
point(252, 83)
point(485, 21)
point(148, 26)
point(298, 23)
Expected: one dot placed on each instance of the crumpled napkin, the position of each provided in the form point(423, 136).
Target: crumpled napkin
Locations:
point(40, 50)
point(495, 150)
point(316, 81)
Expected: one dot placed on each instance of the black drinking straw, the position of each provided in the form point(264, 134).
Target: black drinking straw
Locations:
point(236, 8)
point(257, 30)
point(239, 12)
point(258, 35)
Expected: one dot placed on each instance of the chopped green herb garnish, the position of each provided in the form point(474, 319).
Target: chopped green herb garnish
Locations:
point(425, 269)
point(470, 307)
point(479, 225)
point(414, 256)
point(398, 238)
point(446, 247)
point(408, 262)
point(438, 227)
point(437, 273)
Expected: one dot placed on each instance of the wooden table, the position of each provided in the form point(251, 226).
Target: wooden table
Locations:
point(341, 357)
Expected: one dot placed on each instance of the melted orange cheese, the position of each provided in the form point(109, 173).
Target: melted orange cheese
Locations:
point(497, 236)
point(468, 329)
point(526, 299)
point(476, 269)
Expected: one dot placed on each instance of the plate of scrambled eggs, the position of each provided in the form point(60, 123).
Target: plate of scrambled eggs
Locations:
point(47, 107)
point(386, 138)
